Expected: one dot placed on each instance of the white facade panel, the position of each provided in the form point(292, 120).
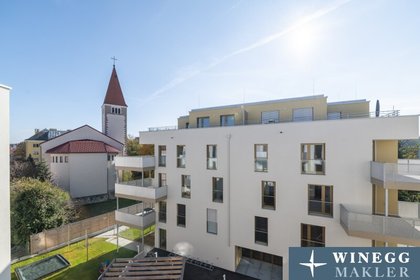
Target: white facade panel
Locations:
point(348, 152)
point(88, 174)
point(4, 184)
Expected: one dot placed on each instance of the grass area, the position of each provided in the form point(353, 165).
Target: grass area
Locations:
point(91, 210)
point(80, 268)
point(135, 234)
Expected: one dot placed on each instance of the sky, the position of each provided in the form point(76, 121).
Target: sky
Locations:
point(175, 56)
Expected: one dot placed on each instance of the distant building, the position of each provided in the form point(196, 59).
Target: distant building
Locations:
point(81, 162)
point(114, 110)
point(4, 184)
point(32, 147)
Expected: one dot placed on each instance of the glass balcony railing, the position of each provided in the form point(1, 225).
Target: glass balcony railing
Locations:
point(381, 228)
point(402, 175)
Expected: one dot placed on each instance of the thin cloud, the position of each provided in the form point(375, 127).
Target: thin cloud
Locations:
point(185, 76)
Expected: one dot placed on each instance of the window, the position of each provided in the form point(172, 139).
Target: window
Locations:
point(186, 186)
point(261, 156)
point(268, 195)
point(217, 189)
point(181, 215)
point(66, 159)
point(313, 159)
point(162, 238)
point(203, 122)
point(162, 156)
point(320, 200)
point(180, 156)
point(211, 157)
point(227, 120)
point(270, 117)
point(261, 230)
point(35, 145)
point(162, 180)
point(61, 159)
point(312, 236)
point(162, 211)
point(303, 114)
point(212, 221)
point(53, 159)
point(115, 110)
point(334, 116)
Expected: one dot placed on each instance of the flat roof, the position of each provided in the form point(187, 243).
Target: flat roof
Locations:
point(5, 87)
point(262, 102)
point(348, 102)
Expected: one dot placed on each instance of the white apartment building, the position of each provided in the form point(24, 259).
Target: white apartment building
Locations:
point(4, 184)
point(249, 181)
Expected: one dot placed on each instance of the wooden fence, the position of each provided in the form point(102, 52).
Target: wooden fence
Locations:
point(66, 234)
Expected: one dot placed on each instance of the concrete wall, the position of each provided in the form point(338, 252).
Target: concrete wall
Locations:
point(409, 209)
point(349, 149)
point(4, 184)
point(116, 127)
point(60, 172)
point(88, 174)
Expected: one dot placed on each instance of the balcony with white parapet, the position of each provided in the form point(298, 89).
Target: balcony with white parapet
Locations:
point(404, 175)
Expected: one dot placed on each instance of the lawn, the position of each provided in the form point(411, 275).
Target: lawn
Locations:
point(91, 210)
point(99, 251)
point(134, 234)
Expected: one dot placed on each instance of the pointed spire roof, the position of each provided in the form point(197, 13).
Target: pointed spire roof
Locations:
point(114, 95)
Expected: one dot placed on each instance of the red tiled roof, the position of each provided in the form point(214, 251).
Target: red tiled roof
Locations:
point(114, 95)
point(83, 146)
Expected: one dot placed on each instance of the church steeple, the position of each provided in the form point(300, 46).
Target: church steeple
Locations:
point(114, 95)
point(114, 110)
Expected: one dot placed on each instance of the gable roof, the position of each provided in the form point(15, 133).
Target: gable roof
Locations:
point(83, 146)
point(114, 95)
point(40, 136)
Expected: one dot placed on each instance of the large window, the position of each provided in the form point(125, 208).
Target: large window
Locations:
point(303, 114)
point(313, 159)
point(162, 238)
point(261, 230)
point(162, 211)
point(320, 200)
point(212, 221)
point(270, 117)
point(162, 180)
point(186, 186)
point(180, 156)
point(203, 122)
point(181, 215)
point(211, 157)
point(268, 195)
point(217, 189)
point(162, 156)
point(312, 236)
point(261, 157)
point(227, 120)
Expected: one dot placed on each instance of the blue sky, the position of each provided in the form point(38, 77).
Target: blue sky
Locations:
point(174, 56)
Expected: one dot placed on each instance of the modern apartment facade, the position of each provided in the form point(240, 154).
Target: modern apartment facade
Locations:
point(4, 184)
point(252, 180)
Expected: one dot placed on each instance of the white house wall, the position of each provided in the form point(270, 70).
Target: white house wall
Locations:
point(88, 174)
point(60, 173)
point(348, 148)
point(82, 133)
point(4, 184)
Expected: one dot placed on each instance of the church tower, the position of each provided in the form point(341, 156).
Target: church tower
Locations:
point(114, 110)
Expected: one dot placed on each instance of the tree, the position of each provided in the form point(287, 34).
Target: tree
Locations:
point(42, 172)
point(37, 206)
point(132, 146)
point(21, 169)
point(408, 149)
point(20, 152)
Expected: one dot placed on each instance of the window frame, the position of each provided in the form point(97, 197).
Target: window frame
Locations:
point(181, 151)
point(162, 214)
point(323, 201)
point(308, 238)
point(224, 120)
point(161, 158)
point(162, 179)
point(308, 158)
point(259, 231)
point(179, 215)
point(257, 159)
point(263, 195)
point(210, 158)
point(200, 122)
point(208, 221)
point(186, 184)
point(215, 190)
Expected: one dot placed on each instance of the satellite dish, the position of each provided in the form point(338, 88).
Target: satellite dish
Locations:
point(377, 110)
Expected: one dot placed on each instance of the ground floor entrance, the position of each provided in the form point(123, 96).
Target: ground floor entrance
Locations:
point(258, 264)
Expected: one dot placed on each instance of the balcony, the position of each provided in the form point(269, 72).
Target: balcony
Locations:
point(402, 175)
point(135, 216)
point(135, 163)
point(140, 190)
point(380, 228)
